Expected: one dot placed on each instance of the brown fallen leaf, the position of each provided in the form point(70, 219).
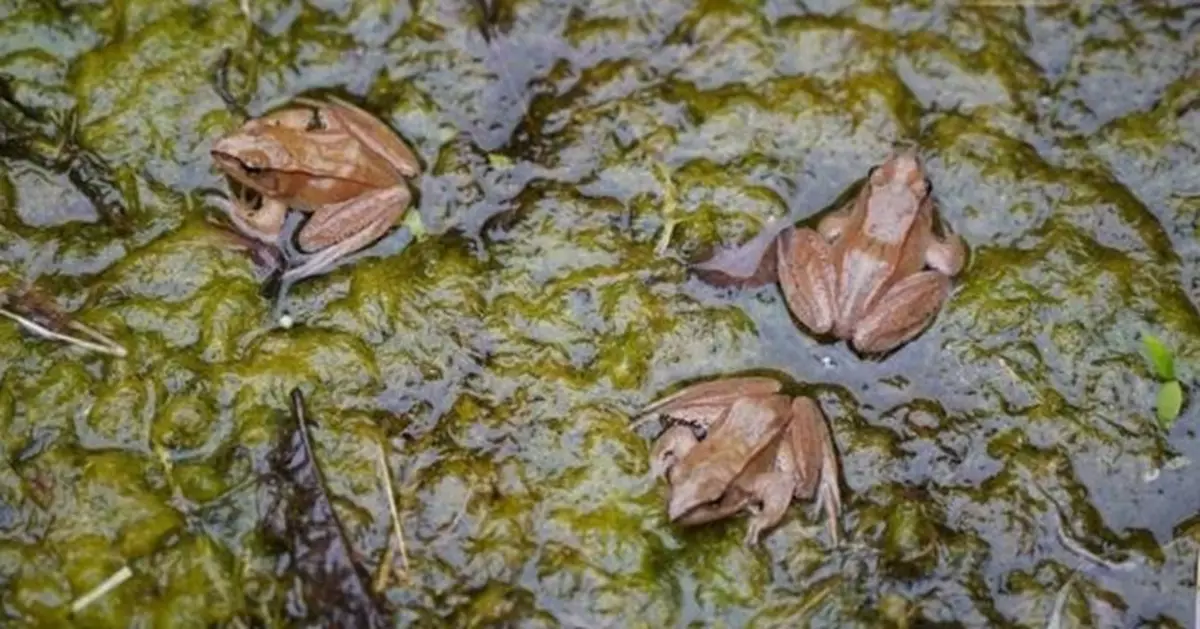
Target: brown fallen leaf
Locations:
point(336, 591)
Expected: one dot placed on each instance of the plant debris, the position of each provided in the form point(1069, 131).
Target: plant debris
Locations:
point(1169, 401)
point(335, 591)
point(34, 311)
point(50, 140)
point(397, 529)
point(106, 586)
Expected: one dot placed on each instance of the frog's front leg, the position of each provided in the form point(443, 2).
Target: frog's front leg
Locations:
point(338, 230)
point(834, 224)
point(902, 312)
point(807, 277)
point(774, 490)
point(671, 446)
point(263, 224)
point(947, 256)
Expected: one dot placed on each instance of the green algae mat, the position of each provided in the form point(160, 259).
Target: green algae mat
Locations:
point(1008, 468)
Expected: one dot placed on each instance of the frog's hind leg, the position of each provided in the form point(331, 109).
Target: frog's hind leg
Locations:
point(775, 491)
point(902, 312)
point(806, 276)
point(343, 229)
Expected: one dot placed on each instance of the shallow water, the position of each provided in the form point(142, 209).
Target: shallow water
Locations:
point(498, 357)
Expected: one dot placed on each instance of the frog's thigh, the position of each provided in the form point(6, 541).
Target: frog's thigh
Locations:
point(775, 491)
point(902, 312)
point(354, 219)
point(806, 276)
point(342, 229)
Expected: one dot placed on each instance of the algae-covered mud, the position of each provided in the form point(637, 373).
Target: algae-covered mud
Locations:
point(1006, 468)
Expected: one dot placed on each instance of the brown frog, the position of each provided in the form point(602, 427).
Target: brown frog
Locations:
point(759, 449)
point(874, 272)
point(330, 159)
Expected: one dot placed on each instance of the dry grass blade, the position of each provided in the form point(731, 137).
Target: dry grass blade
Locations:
point(1075, 547)
point(397, 530)
point(1060, 603)
point(105, 587)
point(103, 344)
point(383, 572)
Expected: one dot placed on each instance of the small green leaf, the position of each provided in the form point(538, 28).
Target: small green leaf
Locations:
point(1170, 401)
point(1160, 357)
point(416, 226)
point(499, 161)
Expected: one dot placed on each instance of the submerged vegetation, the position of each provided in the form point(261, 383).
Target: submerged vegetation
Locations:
point(1006, 468)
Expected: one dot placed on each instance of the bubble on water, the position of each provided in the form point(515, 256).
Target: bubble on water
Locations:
point(286, 322)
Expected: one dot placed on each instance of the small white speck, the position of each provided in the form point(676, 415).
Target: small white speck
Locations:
point(1151, 475)
point(286, 322)
point(828, 362)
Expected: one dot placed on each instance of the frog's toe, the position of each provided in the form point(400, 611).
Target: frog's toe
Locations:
point(753, 534)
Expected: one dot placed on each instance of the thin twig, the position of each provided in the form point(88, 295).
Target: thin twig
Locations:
point(103, 345)
point(397, 529)
point(107, 586)
point(1077, 548)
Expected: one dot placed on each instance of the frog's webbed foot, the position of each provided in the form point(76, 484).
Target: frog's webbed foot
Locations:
point(343, 229)
point(829, 495)
point(816, 468)
point(829, 498)
point(751, 264)
point(806, 276)
point(902, 312)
